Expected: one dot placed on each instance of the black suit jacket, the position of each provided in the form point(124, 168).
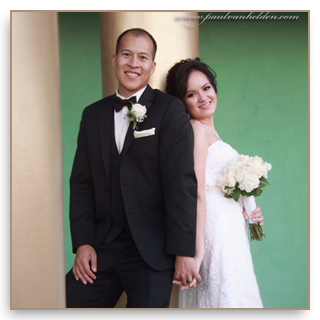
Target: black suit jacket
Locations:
point(157, 180)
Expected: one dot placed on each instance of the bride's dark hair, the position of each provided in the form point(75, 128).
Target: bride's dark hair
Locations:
point(178, 76)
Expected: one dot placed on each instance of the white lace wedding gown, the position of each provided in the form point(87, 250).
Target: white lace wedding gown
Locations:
point(228, 279)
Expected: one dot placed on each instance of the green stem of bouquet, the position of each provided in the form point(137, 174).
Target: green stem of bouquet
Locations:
point(256, 232)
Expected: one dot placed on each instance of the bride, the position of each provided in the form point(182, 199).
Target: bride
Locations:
point(222, 246)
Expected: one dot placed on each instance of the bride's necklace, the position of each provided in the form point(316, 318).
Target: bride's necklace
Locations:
point(214, 131)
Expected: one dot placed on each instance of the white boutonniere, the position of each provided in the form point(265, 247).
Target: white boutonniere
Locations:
point(137, 114)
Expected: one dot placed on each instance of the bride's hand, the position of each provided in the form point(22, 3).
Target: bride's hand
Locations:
point(197, 262)
point(256, 215)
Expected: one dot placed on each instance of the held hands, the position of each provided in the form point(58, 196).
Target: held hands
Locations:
point(186, 272)
point(85, 263)
point(256, 215)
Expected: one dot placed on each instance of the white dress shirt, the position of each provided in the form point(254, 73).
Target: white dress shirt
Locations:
point(121, 121)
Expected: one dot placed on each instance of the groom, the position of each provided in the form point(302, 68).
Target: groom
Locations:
point(133, 192)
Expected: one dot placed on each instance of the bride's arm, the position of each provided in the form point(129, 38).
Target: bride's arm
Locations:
point(201, 144)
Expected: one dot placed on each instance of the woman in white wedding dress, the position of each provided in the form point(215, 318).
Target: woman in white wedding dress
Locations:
point(222, 246)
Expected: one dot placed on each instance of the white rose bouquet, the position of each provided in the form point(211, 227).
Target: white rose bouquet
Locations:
point(137, 114)
point(246, 176)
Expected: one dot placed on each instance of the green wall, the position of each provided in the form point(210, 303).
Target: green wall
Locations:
point(262, 74)
point(80, 69)
point(262, 68)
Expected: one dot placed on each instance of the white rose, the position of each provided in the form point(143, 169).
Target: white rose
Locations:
point(256, 161)
point(241, 172)
point(230, 181)
point(250, 182)
point(231, 168)
point(259, 171)
point(267, 167)
point(139, 110)
point(220, 182)
point(248, 186)
point(243, 158)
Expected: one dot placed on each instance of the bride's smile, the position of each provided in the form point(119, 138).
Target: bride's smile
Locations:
point(206, 106)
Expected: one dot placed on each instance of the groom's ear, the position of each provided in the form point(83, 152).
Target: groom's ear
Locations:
point(114, 57)
point(153, 68)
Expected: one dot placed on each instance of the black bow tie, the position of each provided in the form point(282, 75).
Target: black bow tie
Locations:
point(118, 103)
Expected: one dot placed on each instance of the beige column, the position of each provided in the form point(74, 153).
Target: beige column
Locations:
point(37, 246)
point(176, 40)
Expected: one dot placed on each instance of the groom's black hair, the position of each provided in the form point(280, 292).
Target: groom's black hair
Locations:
point(138, 32)
point(178, 76)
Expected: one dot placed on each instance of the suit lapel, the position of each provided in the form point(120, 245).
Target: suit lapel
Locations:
point(106, 134)
point(147, 97)
point(145, 100)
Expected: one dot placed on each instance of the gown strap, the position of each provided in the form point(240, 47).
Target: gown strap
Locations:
point(215, 133)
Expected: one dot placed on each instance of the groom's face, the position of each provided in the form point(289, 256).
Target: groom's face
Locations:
point(133, 63)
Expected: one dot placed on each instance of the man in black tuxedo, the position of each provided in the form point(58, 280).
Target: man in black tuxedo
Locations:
point(133, 191)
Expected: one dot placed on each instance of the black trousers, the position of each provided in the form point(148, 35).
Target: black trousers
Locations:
point(120, 268)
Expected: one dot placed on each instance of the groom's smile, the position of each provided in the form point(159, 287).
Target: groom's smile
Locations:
point(133, 63)
point(132, 75)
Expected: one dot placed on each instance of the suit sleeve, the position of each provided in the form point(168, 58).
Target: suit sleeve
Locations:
point(179, 180)
point(82, 204)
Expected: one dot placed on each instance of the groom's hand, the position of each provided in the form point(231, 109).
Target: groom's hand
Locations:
point(85, 263)
point(186, 271)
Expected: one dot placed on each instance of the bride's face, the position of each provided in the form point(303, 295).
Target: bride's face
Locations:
point(200, 99)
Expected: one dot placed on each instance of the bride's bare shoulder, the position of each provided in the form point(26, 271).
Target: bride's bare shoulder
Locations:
point(200, 132)
point(197, 126)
